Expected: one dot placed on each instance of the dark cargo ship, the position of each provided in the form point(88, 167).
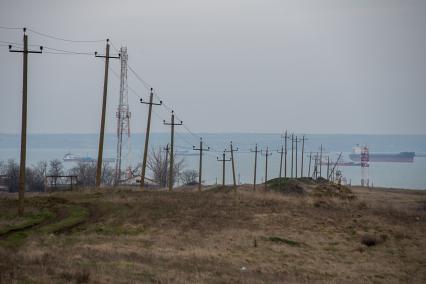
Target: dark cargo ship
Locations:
point(402, 157)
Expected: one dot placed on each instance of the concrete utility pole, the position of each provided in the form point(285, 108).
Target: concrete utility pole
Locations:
point(23, 155)
point(320, 161)
point(303, 151)
point(200, 170)
point(255, 165)
point(267, 154)
point(167, 149)
point(233, 163)
point(148, 129)
point(281, 164)
point(172, 138)
point(104, 102)
point(223, 167)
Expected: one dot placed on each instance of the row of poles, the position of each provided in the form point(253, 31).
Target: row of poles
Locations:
point(283, 152)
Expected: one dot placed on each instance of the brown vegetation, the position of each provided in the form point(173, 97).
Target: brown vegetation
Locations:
point(218, 235)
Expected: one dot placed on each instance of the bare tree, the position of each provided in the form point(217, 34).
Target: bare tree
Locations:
point(36, 175)
point(189, 177)
point(158, 164)
point(55, 169)
point(86, 174)
point(108, 174)
point(11, 171)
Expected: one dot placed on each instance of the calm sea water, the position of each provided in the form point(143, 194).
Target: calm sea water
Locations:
point(405, 175)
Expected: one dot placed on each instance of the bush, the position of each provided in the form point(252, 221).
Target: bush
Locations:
point(189, 177)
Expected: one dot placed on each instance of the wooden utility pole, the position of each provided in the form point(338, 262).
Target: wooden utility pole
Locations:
point(285, 136)
point(281, 164)
point(148, 129)
point(167, 149)
point(172, 138)
point(309, 169)
point(200, 170)
point(292, 154)
point(267, 154)
point(23, 156)
point(328, 167)
point(255, 165)
point(104, 102)
point(303, 151)
point(297, 140)
point(335, 164)
point(233, 163)
point(320, 161)
point(223, 167)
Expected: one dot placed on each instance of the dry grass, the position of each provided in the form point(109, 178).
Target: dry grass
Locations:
point(225, 236)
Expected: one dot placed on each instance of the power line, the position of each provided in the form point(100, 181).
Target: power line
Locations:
point(64, 39)
point(68, 51)
point(10, 28)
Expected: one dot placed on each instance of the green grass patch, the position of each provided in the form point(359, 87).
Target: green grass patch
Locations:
point(283, 241)
point(117, 230)
point(76, 215)
point(29, 220)
point(14, 240)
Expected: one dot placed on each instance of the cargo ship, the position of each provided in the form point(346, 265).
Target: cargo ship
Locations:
point(77, 158)
point(401, 157)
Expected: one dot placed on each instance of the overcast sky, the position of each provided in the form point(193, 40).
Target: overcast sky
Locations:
point(330, 66)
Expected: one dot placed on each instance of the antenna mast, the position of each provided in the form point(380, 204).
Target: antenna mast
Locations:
point(123, 117)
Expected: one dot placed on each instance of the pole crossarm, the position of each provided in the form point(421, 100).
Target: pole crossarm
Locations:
point(107, 56)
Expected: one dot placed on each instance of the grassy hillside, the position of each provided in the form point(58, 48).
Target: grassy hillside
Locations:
point(296, 232)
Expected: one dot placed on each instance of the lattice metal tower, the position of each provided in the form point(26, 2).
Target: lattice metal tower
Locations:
point(123, 119)
point(365, 164)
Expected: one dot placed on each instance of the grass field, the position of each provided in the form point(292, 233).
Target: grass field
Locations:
point(306, 232)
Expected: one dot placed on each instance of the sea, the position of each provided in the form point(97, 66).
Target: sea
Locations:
point(396, 175)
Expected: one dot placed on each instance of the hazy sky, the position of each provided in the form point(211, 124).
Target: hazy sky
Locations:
point(330, 66)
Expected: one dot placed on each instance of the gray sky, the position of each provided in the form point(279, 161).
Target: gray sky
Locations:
point(330, 66)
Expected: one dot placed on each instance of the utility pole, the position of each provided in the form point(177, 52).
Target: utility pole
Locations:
point(267, 154)
point(320, 161)
point(285, 152)
point(309, 169)
point(328, 167)
point(303, 151)
point(104, 102)
point(255, 164)
point(201, 149)
point(172, 138)
point(233, 163)
point(281, 163)
point(223, 167)
point(296, 141)
point(148, 129)
point(23, 155)
point(292, 153)
point(167, 149)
